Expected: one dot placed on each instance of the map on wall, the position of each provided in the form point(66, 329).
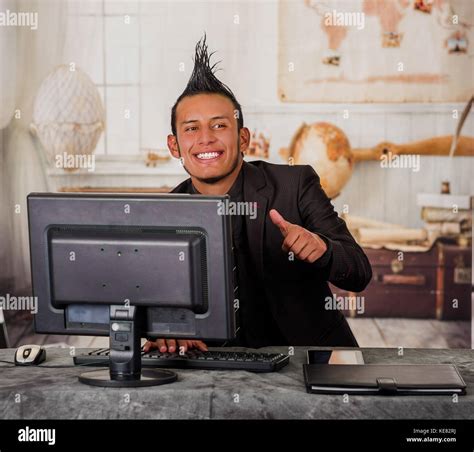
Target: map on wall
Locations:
point(376, 50)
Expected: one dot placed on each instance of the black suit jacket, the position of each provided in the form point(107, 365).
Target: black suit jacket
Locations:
point(295, 290)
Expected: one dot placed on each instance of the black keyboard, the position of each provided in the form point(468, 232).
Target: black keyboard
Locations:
point(195, 359)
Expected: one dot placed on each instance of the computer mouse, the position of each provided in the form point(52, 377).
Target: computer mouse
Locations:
point(29, 355)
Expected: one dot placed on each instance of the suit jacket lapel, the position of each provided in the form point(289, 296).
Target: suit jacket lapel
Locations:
point(183, 187)
point(256, 190)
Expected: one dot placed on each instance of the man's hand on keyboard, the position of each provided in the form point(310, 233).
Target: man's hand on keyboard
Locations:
point(171, 345)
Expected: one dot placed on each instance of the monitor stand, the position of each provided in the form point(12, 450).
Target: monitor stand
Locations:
point(125, 367)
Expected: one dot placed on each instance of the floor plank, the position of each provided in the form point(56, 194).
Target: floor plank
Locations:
point(424, 333)
point(456, 333)
point(412, 333)
point(366, 332)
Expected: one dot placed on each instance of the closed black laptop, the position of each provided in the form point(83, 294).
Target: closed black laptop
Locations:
point(383, 379)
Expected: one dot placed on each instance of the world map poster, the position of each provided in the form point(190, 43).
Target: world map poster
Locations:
point(376, 50)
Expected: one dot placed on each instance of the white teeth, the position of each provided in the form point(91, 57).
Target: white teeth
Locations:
point(207, 155)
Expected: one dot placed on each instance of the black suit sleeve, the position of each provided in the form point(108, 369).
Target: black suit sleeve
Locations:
point(344, 264)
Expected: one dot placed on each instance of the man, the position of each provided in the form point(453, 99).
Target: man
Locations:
point(295, 243)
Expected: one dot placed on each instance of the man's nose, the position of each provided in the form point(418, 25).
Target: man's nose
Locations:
point(206, 137)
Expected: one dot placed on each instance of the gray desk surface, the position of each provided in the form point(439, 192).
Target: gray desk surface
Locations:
point(33, 393)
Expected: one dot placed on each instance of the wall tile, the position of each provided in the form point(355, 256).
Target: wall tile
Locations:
point(86, 52)
point(122, 50)
point(122, 132)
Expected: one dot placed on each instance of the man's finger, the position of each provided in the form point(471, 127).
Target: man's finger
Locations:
point(290, 239)
point(314, 256)
point(200, 345)
point(162, 345)
point(183, 346)
point(147, 346)
point(306, 252)
point(171, 345)
point(300, 245)
point(279, 221)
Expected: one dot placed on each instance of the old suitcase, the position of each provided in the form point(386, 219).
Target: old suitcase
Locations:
point(453, 300)
point(403, 284)
point(434, 284)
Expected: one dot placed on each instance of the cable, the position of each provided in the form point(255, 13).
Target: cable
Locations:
point(39, 366)
point(6, 362)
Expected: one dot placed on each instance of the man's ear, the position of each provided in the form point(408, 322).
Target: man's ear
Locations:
point(244, 135)
point(173, 146)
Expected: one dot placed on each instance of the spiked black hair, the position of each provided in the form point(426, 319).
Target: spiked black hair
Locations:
point(203, 81)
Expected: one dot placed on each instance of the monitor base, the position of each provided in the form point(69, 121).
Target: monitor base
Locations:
point(149, 377)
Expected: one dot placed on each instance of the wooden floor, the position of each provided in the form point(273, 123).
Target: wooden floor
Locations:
point(370, 332)
point(411, 333)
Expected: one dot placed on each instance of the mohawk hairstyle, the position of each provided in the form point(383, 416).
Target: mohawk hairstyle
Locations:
point(203, 81)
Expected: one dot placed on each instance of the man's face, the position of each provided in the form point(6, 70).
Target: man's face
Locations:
point(207, 137)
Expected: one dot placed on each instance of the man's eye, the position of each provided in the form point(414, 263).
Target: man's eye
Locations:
point(190, 128)
point(219, 125)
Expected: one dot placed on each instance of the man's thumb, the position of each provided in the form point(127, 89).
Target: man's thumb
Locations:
point(279, 221)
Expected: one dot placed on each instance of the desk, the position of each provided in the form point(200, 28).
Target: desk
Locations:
point(56, 393)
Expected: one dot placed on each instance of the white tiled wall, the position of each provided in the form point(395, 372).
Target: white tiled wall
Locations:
point(135, 50)
point(121, 7)
point(123, 119)
point(88, 55)
point(122, 50)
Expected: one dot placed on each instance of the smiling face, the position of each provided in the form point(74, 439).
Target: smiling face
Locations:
point(207, 138)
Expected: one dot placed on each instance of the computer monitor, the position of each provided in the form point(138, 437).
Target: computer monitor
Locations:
point(131, 266)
